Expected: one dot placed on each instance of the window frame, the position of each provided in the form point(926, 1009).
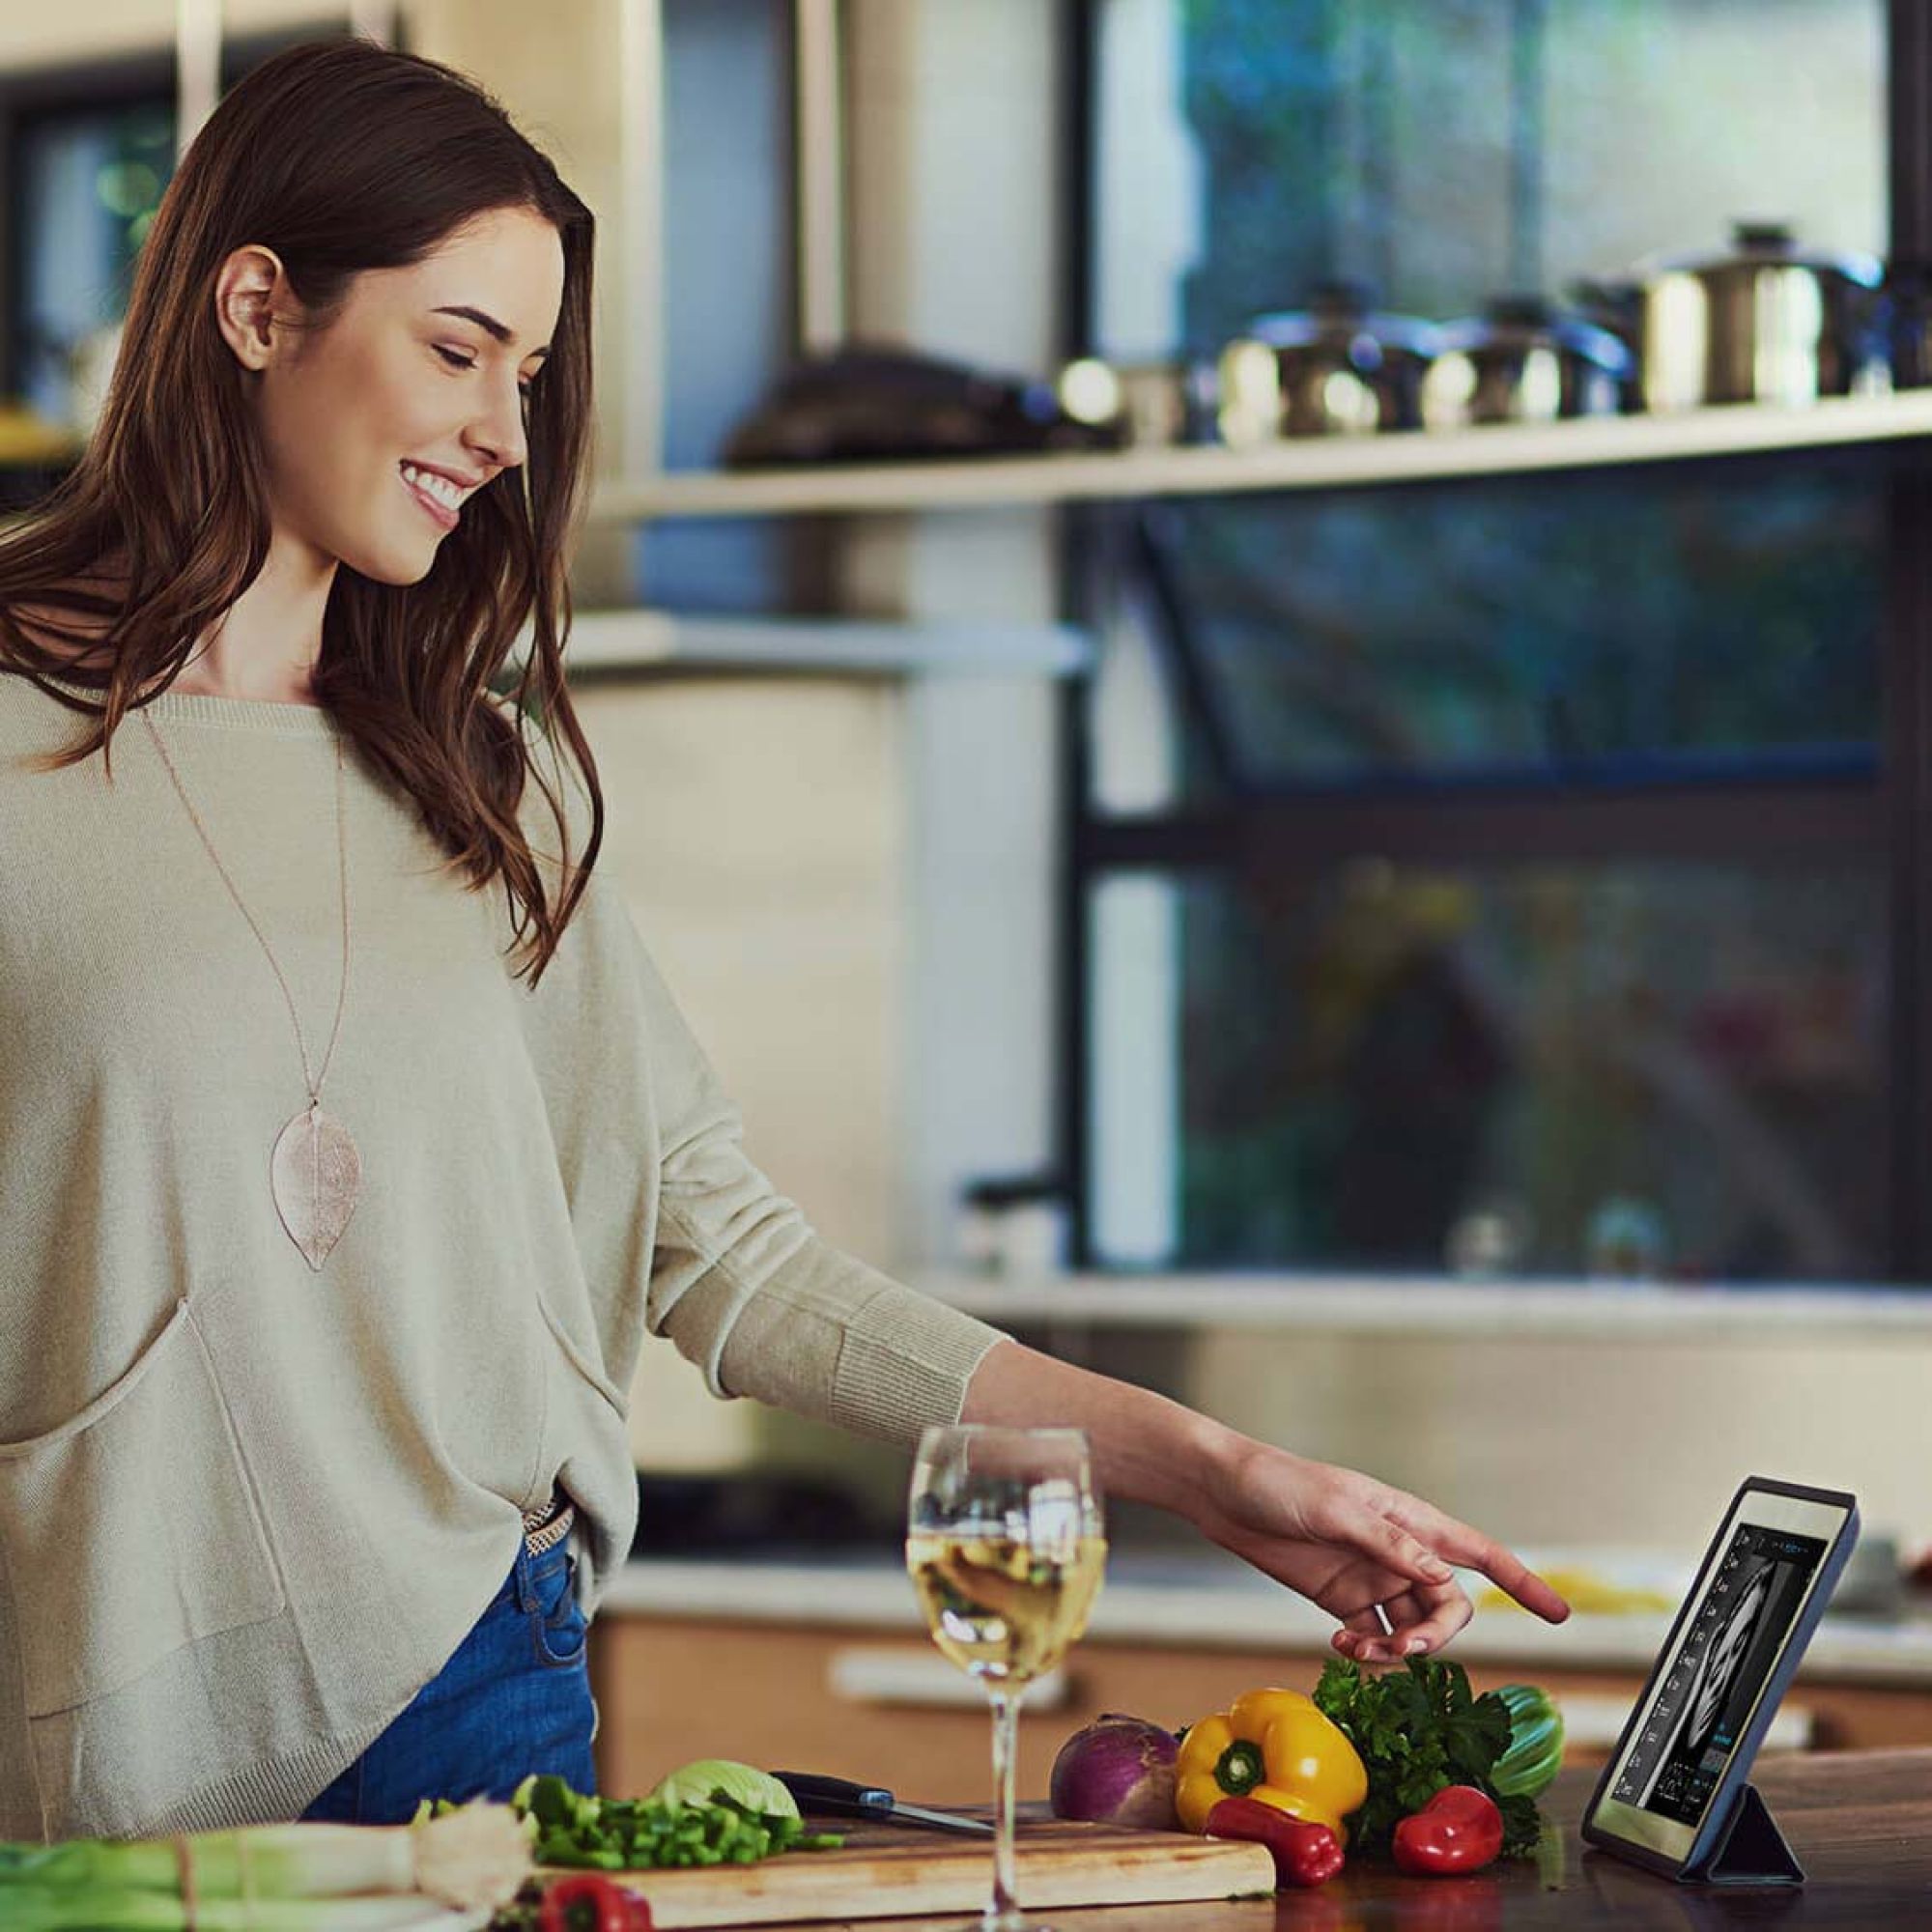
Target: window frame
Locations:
point(1303, 834)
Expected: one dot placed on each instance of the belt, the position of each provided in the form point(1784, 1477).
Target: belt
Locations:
point(550, 1525)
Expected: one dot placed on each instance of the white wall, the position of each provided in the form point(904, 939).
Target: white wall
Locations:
point(1561, 1443)
point(757, 831)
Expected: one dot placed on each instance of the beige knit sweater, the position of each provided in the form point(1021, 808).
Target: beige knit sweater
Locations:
point(248, 1509)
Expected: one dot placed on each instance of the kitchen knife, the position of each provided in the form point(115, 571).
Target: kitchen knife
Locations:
point(841, 1798)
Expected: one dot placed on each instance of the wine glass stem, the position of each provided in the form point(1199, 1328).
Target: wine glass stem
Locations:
point(1004, 1910)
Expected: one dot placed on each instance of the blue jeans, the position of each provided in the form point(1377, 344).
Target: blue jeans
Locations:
point(515, 1698)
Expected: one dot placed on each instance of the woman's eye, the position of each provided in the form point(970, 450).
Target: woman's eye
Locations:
point(457, 361)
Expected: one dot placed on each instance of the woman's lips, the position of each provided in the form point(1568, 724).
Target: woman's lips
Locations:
point(444, 517)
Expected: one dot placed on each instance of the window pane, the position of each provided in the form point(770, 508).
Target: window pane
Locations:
point(1638, 1068)
point(1541, 624)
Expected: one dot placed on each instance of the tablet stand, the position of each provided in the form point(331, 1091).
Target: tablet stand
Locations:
point(1749, 1850)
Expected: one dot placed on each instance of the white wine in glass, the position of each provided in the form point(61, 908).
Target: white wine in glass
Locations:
point(1006, 1545)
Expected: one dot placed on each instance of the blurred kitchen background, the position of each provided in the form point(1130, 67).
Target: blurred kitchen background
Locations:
point(1430, 964)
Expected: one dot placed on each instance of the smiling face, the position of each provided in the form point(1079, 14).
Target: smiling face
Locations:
point(377, 428)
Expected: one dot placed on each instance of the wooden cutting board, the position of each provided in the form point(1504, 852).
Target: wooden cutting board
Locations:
point(892, 1871)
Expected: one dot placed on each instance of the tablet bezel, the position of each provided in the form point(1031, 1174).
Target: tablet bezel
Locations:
point(1665, 1844)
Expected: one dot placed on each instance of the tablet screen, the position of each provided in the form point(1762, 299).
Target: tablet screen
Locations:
point(1720, 1667)
point(1758, 1580)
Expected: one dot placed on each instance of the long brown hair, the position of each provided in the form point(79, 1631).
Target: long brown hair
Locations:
point(340, 156)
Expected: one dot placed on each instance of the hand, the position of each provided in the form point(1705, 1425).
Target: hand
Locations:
point(1344, 1539)
point(1350, 1543)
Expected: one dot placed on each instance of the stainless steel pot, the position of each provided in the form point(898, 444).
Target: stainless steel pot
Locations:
point(1767, 323)
point(1617, 308)
point(1336, 368)
point(1521, 361)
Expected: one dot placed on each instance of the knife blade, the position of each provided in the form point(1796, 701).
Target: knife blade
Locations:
point(841, 1798)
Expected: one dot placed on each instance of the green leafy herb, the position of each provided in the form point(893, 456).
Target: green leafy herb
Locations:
point(1417, 1730)
point(638, 1834)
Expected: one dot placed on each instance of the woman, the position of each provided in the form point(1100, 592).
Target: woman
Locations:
point(330, 1239)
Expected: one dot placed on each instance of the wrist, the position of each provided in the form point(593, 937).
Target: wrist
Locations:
point(1146, 1448)
point(1190, 1464)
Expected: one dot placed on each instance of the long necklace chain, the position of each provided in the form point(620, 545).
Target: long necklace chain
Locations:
point(313, 1082)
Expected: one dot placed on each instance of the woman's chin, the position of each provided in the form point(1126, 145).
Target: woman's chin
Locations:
point(395, 563)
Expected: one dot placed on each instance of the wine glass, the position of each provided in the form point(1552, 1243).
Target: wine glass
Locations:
point(1006, 1547)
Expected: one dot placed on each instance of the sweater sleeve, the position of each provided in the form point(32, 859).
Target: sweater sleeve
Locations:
point(682, 1235)
point(745, 1288)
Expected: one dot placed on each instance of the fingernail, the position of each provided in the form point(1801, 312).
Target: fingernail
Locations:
point(1415, 1644)
point(1438, 1569)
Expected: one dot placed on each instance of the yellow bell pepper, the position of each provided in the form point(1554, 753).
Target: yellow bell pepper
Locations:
point(1275, 1746)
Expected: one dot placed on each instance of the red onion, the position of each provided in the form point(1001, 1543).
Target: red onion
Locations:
point(1118, 1771)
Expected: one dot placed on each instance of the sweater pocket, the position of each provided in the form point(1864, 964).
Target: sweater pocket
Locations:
point(586, 1371)
point(132, 1529)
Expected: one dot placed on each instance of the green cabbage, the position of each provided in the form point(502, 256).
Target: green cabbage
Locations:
point(695, 1783)
point(1535, 1754)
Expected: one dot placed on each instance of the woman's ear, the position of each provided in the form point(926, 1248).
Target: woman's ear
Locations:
point(245, 288)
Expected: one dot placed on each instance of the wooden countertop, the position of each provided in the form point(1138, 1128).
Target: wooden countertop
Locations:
point(1860, 1822)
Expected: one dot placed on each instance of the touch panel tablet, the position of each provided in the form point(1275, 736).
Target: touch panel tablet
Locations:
point(1667, 1793)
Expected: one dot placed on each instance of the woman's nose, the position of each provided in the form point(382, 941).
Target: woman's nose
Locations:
point(498, 437)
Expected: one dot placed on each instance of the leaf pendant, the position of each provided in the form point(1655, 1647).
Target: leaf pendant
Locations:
point(316, 1175)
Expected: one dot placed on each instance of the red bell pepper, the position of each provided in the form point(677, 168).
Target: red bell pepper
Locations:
point(1460, 1830)
point(603, 1906)
point(1305, 1853)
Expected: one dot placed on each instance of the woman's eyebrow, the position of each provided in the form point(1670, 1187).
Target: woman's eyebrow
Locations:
point(488, 322)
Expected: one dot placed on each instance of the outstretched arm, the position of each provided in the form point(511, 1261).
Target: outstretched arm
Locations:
point(1340, 1538)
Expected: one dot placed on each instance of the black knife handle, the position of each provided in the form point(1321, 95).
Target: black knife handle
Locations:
point(836, 1797)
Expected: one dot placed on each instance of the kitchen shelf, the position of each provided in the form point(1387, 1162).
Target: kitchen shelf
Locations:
point(1319, 463)
point(1439, 1305)
point(639, 639)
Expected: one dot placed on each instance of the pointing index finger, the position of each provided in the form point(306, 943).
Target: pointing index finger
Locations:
point(1503, 1568)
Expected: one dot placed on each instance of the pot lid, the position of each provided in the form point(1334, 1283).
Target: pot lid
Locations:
point(1769, 245)
point(1527, 321)
point(1342, 314)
